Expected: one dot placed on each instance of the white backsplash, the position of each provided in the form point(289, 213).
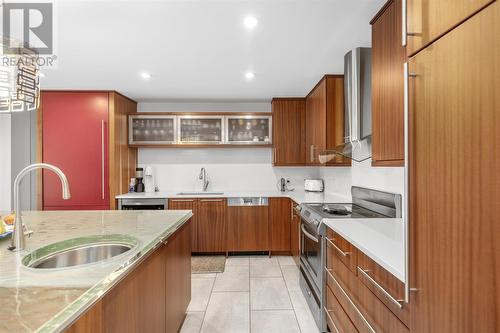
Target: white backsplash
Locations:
point(230, 170)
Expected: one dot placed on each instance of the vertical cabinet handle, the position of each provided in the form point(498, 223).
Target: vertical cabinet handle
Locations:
point(403, 22)
point(102, 158)
point(311, 153)
point(406, 192)
point(274, 156)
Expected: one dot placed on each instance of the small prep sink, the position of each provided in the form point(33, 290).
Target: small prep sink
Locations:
point(200, 193)
point(80, 251)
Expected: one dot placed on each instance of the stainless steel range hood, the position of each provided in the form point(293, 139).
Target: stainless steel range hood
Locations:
point(357, 108)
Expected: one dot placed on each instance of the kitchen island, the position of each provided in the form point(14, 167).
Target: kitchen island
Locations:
point(52, 300)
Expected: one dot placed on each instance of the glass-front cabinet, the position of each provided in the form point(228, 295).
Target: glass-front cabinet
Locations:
point(152, 130)
point(201, 129)
point(248, 129)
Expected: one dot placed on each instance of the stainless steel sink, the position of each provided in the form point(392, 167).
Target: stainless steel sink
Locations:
point(200, 193)
point(80, 251)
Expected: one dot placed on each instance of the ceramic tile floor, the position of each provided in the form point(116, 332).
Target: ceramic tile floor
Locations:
point(255, 294)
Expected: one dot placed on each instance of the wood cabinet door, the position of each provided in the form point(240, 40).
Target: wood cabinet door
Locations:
point(289, 119)
point(178, 277)
point(192, 205)
point(315, 123)
point(295, 236)
point(427, 20)
point(280, 220)
point(75, 139)
point(455, 179)
point(388, 57)
point(212, 225)
point(248, 228)
point(137, 304)
point(335, 118)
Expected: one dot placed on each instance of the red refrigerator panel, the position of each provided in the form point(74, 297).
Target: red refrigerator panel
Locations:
point(75, 138)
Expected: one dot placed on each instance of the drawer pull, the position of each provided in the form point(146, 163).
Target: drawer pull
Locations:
point(329, 271)
point(181, 200)
point(344, 254)
point(327, 312)
point(364, 272)
point(211, 200)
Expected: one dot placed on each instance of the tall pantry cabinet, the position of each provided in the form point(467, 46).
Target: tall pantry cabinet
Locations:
point(84, 133)
point(454, 115)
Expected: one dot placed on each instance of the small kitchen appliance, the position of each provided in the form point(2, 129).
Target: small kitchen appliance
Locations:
point(139, 176)
point(314, 185)
point(366, 203)
point(149, 180)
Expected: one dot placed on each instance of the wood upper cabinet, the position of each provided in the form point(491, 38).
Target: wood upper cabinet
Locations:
point(388, 57)
point(192, 205)
point(279, 227)
point(289, 131)
point(455, 177)
point(427, 20)
point(247, 228)
point(325, 119)
point(211, 221)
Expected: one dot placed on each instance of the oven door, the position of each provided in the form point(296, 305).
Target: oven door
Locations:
point(311, 252)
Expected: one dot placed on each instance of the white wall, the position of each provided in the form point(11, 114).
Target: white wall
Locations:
point(5, 163)
point(230, 170)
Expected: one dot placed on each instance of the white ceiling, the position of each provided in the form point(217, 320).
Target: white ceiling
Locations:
point(200, 49)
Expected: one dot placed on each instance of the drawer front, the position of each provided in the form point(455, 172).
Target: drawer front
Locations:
point(366, 311)
point(342, 249)
point(338, 321)
point(384, 285)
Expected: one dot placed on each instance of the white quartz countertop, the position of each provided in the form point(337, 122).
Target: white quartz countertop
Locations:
point(380, 239)
point(299, 196)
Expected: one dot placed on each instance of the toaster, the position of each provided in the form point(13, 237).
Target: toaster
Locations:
point(314, 185)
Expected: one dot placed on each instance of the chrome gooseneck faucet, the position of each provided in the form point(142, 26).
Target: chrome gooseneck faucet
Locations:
point(204, 176)
point(18, 240)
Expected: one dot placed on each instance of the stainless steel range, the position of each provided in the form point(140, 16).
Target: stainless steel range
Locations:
point(366, 203)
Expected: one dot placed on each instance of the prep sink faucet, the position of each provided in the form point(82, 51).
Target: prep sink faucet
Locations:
point(204, 176)
point(18, 240)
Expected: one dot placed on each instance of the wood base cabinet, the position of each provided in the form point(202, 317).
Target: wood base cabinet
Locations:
point(279, 224)
point(295, 234)
point(192, 205)
point(152, 298)
point(455, 177)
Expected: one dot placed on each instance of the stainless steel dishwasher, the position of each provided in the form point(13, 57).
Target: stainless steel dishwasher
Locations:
point(142, 204)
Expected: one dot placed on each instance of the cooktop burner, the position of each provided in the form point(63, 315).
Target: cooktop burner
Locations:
point(342, 210)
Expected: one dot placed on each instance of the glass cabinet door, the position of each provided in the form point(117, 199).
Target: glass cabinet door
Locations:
point(201, 129)
point(249, 129)
point(152, 130)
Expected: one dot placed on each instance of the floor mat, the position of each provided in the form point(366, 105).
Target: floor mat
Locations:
point(207, 264)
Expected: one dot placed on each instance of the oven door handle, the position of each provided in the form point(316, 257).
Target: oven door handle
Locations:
point(308, 235)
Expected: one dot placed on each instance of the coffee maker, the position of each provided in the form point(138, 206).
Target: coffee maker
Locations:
point(139, 176)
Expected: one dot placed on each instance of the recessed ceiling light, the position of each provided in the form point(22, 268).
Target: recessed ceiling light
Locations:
point(145, 75)
point(250, 22)
point(249, 75)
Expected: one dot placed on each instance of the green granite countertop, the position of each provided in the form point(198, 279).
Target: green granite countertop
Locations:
point(48, 300)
